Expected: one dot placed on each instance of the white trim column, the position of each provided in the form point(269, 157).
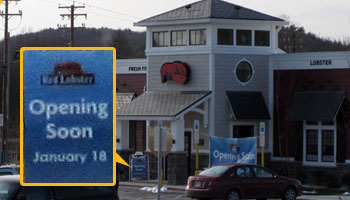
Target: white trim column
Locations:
point(122, 134)
point(212, 89)
point(212, 116)
point(270, 100)
point(178, 131)
point(148, 126)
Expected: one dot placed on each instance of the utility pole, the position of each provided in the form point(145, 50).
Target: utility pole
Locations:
point(5, 71)
point(72, 17)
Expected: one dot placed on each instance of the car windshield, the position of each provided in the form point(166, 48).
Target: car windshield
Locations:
point(7, 189)
point(214, 171)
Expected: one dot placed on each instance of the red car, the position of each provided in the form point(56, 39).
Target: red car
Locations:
point(241, 181)
point(10, 189)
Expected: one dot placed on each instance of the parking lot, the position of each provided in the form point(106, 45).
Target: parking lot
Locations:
point(134, 193)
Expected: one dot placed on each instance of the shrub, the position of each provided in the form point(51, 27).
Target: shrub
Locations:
point(318, 177)
point(331, 181)
point(300, 175)
point(346, 179)
point(334, 185)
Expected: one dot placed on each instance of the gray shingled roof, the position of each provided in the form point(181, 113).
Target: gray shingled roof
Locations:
point(315, 105)
point(167, 104)
point(124, 98)
point(248, 105)
point(211, 9)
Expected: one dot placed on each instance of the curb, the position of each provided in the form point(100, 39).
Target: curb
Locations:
point(141, 186)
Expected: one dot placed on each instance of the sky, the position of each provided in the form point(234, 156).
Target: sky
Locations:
point(325, 18)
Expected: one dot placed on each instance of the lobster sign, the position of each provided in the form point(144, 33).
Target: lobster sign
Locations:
point(176, 71)
point(68, 73)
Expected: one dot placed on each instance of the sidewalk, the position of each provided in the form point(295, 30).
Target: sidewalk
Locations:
point(151, 183)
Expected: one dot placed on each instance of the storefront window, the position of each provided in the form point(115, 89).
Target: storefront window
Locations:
point(160, 39)
point(311, 145)
point(327, 145)
point(244, 71)
point(244, 37)
point(198, 37)
point(319, 142)
point(225, 36)
point(262, 38)
point(178, 38)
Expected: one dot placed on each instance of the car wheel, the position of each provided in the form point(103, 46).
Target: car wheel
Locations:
point(289, 194)
point(232, 195)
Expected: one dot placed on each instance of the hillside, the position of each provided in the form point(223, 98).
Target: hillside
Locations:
point(294, 39)
point(131, 44)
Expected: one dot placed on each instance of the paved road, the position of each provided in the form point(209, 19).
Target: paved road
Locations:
point(134, 193)
point(315, 197)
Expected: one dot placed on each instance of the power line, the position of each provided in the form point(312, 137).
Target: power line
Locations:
point(104, 9)
point(113, 11)
point(48, 1)
point(110, 16)
point(72, 17)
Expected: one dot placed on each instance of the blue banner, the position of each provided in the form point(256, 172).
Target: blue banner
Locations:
point(68, 116)
point(139, 167)
point(232, 150)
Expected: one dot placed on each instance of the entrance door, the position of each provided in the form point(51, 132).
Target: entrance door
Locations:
point(242, 131)
point(188, 148)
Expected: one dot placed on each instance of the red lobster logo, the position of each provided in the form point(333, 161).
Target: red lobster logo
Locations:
point(176, 71)
point(68, 68)
point(68, 73)
point(234, 148)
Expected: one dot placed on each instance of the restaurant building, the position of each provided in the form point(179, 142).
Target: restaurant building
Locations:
point(219, 63)
point(208, 61)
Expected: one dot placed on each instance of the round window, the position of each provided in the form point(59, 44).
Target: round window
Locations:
point(244, 71)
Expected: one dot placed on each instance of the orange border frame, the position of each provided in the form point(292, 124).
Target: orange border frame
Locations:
point(114, 116)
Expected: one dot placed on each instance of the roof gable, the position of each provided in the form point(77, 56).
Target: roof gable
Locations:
point(315, 105)
point(248, 105)
point(166, 104)
point(211, 9)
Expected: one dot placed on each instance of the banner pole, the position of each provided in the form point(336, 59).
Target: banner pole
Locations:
point(262, 156)
point(197, 171)
point(160, 149)
point(210, 151)
point(196, 141)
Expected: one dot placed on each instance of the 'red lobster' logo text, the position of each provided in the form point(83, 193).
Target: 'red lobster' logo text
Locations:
point(68, 73)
